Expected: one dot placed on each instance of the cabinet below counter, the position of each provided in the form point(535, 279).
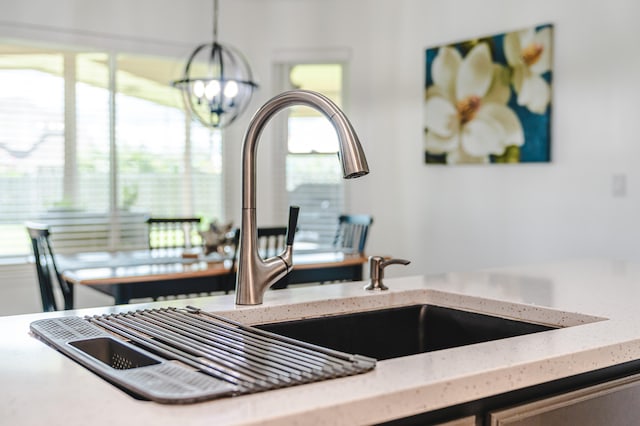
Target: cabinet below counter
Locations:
point(613, 403)
point(585, 366)
point(605, 397)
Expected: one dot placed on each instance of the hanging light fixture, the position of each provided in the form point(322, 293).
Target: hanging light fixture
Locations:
point(217, 84)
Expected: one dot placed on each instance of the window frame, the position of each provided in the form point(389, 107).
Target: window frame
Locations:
point(284, 62)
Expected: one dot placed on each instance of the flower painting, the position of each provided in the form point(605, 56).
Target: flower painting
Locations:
point(489, 100)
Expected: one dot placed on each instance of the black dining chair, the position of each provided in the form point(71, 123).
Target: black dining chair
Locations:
point(47, 269)
point(175, 232)
point(271, 240)
point(352, 232)
point(230, 282)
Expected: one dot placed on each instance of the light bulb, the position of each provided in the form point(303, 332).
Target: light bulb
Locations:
point(198, 88)
point(230, 89)
point(212, 89)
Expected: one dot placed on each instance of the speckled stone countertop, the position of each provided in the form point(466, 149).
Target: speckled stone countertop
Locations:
point(595, 301)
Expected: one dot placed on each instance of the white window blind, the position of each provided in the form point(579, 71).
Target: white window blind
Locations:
point(31, 141)
point(55, 146)
point(91, 145)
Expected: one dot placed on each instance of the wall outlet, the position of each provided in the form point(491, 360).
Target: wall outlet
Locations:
point(619, 185)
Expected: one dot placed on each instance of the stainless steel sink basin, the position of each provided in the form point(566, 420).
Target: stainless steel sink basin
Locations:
point(397, 332)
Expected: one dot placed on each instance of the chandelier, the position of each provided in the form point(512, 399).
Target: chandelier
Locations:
point(217, 84)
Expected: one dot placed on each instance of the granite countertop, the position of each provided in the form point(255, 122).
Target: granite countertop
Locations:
point(593, 300)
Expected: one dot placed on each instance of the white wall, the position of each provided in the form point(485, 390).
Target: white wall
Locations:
point(442, 218)
point(467, 217)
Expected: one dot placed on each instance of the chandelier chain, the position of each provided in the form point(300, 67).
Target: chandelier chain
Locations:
point(215, 21)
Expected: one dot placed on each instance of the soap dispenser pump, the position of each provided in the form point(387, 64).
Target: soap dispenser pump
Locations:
point(376, 271)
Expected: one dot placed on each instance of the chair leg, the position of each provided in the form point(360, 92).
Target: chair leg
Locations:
point(69, 298)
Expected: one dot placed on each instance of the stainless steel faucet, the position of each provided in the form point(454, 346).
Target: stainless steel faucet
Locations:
point(256, 275)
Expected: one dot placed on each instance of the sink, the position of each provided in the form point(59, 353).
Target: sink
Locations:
point(396, 332)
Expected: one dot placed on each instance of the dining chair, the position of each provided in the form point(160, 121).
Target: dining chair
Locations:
point(230, 282)
point(352, 232)
point(272, 240)
point(173, 232)
point(47, 269)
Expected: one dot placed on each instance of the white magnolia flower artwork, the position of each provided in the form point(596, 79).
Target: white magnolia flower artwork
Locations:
point(528, 53)
point(489, 100)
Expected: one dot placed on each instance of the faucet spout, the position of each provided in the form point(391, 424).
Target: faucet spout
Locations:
point(256, 275)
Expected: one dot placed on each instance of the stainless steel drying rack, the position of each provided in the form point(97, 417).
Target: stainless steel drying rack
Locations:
point(174, 355)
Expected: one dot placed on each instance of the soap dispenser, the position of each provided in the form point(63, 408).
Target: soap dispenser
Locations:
point(376, 271)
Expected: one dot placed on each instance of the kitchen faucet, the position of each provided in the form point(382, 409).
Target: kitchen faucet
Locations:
point(255, 274)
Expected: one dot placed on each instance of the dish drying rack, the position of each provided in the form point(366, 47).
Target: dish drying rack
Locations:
point(185, 355)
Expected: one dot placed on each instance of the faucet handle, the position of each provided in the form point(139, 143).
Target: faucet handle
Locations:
point(293, 224)
point(376, 271)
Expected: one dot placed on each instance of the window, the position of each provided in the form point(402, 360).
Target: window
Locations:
point(31, 141)
point(313, 174)
point(165, 165)
point(98, 134)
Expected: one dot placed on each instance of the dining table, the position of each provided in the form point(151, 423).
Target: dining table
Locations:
point(153, 273)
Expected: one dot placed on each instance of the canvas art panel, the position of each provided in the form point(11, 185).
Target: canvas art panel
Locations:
point(488, 100)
